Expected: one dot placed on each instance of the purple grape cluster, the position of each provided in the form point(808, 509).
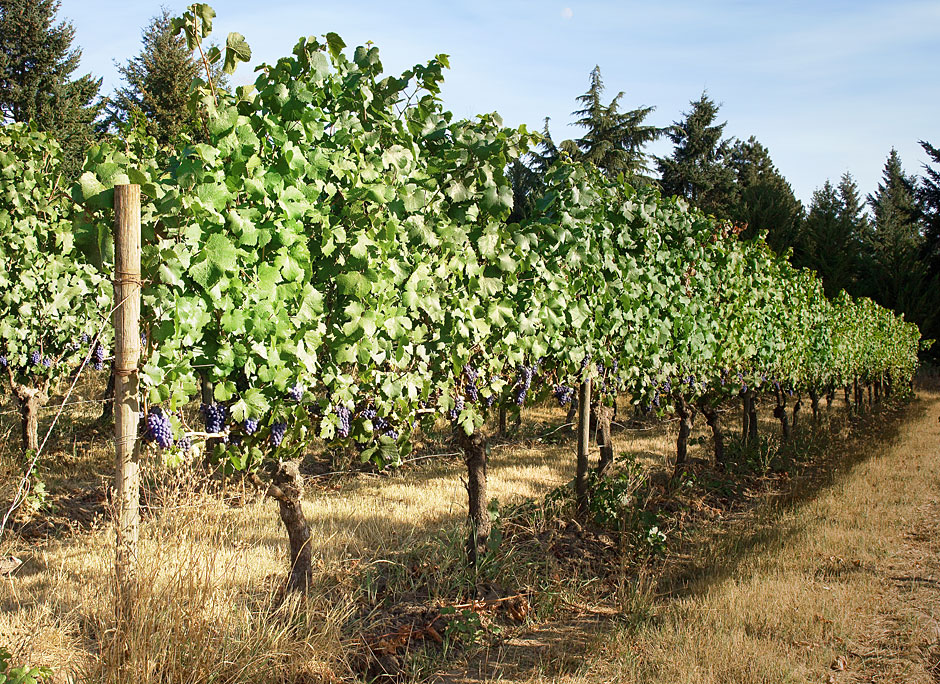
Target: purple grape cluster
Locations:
point(158, 427)
point(563, 394)
point(278, 430)
point(98, 357)
point(369, 413)
point(296, 392)
point(250, 426)
point(3, 361)
point(215, 416)
point(35, 358)
point(343, 414)
point(523, 383)
point(471, 386)
point(47, 362)
point(454, 413)
point(84, 339)
point(185, 445)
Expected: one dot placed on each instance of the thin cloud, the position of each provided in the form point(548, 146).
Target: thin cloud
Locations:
point(567, 13)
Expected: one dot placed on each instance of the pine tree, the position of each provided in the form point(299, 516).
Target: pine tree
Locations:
point(928, 198)
point(158, 82)
point(696, 169)
point(614, 140)
point(894, 241)
point(834, 229)
point(36, 85)
point(763, 199)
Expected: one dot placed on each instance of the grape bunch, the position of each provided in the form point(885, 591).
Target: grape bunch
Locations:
point(47, 362)
point(215, 416)
point(98, 357)
point(158, 427)
point(3, 361)
point(35, 358)
point(185, 445)
point(523, 382)
point(471, 385)
point(296, 392)
point(454, 413)
point(278, 430)
point(250, 426)
point(343, 414)
point(563, 394)
point(369, 412)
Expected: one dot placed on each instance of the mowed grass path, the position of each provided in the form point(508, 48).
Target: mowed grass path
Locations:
point(844, 587)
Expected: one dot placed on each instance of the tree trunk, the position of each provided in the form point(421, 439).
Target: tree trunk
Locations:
point(584, 444)
point(712, 419)
point(797, 405)
point(686, 418)
point(745, 417)
point(572, 412)
point(287, 488)
point(474, 454)
point(848, 402)
point(780, 412)
point(107, 406)
point(878, 391)
point(830, 396)
point(604, 416)
point(752, 435)
point(858, 396)
point(30, 401)
point(502, 421)
point(814, 403)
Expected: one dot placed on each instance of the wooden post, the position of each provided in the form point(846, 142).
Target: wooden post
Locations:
point(126, 399)
point(584, 445)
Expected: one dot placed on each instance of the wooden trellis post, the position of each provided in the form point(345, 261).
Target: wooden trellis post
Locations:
point(126, 395)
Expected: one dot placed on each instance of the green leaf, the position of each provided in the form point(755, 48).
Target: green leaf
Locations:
point(236, 50)
point(335, 44)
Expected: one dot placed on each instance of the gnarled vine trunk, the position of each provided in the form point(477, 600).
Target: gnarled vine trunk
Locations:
point(718, 438)
point(30, 400)
point(286, 488)
point(780, 412)
point(686, 420)
point(604, 415)
point(814, 404)
point(752, 436)
point(745, 416)
point(797, 406)
point(474, 449)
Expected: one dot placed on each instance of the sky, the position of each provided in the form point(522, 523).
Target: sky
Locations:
point(826, 86)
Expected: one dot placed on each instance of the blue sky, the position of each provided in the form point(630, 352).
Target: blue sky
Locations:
point(828, 87)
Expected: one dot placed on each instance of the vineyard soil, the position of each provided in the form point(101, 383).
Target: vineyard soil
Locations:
point(824, 570)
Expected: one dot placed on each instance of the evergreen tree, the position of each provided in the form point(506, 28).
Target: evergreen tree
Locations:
point(928, 198)
point(158, 82)
point(763, 199)
point(36, 84)
point(833, 231)
point(894, 241)
point(614, 140)
point(697, 170)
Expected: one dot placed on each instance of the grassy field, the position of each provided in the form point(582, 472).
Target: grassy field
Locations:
point(770, 573)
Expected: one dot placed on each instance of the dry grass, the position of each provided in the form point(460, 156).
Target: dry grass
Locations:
point(820, 591)
point(210, 570)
